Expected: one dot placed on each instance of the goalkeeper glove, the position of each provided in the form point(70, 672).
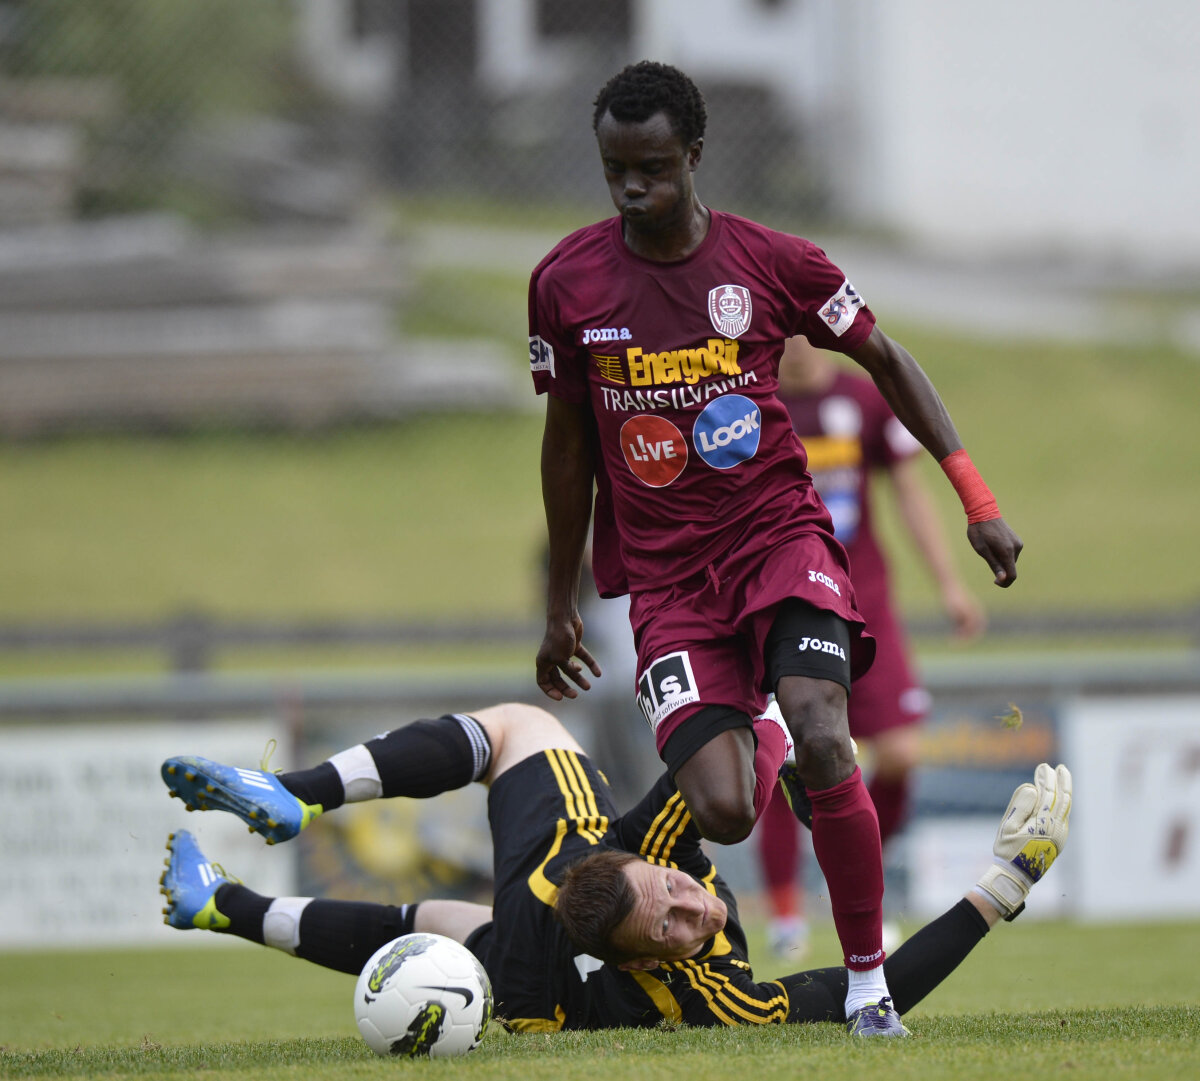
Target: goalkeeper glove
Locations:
point(1031, 835)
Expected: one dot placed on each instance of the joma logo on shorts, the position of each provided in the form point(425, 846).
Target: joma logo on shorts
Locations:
point(606, 334)
point(819, 645)
point(825, 580)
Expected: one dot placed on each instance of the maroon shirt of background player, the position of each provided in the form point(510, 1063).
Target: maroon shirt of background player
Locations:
point(849, 432)
point(679, 362)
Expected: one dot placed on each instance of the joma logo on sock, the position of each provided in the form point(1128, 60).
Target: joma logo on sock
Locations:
point(865, 958)
point(819, 645)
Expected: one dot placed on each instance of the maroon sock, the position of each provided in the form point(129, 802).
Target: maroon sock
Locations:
point(777, 836)
point(845, 834)
point(890, 796)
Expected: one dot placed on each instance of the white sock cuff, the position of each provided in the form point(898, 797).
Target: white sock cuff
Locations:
point(864, 988)
point(359, 774)
point(281, 924)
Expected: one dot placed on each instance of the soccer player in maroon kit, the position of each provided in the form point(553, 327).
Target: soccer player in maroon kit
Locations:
point(850, 435)
point(656, 336)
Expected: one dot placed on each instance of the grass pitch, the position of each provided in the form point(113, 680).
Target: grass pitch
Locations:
point(1033, 999)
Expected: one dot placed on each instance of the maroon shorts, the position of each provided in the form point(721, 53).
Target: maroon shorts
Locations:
point(700, 642)
point(887, 696)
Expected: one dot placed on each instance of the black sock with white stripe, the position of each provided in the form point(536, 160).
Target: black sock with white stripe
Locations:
point(425, 758)
point(419, 760)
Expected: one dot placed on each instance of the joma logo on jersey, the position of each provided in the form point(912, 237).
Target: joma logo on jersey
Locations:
point(606, 334)
point(819, 645)
point(717, 357)
point(666, 685)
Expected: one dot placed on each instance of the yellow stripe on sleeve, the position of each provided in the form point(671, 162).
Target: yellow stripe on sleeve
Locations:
point(581, 812)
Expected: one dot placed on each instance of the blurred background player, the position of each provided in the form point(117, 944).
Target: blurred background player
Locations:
point(850, 434)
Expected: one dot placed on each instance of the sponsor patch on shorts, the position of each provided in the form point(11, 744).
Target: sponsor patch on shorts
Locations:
point(665, 685)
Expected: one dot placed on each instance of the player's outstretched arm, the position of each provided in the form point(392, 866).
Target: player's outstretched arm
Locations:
point(568, 472)
point(915, 401)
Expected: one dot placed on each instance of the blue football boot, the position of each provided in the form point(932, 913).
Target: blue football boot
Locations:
point(190, 885)
point(254, 795)
point(876, 1019)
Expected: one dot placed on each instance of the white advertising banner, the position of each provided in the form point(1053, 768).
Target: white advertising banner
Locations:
point(84, 818)
point(1135, 827)
point(946, 856)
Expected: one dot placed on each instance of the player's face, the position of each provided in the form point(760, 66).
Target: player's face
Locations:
point(672, 918)
point(648, 170)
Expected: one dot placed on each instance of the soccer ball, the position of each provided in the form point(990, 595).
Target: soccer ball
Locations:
point(423, 995)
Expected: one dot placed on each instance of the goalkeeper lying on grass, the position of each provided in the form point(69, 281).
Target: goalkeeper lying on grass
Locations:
point(598, 919)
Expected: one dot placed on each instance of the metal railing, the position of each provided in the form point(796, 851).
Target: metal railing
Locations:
point(191, 641)
point(191, 638)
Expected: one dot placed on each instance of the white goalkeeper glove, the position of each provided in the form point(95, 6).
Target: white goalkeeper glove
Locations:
point(1031, 835)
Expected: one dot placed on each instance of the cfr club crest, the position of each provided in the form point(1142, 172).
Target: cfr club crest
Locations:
point(729, 309)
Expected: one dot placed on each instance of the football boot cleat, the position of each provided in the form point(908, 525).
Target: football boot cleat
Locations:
point(254, 795)
point(190, 883)
point(876, 1019)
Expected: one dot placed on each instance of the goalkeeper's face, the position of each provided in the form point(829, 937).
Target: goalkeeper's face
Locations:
point(672, 918)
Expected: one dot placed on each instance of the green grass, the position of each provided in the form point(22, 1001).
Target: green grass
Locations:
point(1089, 452)
point(1154, 1043)
point(443, 513)
point(1035, 998)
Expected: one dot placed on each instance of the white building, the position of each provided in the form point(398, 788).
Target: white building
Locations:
point(1064, 127)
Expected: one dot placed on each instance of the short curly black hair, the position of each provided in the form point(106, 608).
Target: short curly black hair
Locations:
point(640, 90)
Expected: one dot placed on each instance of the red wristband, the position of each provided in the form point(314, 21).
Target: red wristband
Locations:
point(977, 499)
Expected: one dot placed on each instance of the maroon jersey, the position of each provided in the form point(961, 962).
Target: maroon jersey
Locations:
point(849, 432)
point(679, 362)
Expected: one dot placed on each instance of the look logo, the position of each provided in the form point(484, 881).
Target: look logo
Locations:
point(654, 449)
point(726, 431)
